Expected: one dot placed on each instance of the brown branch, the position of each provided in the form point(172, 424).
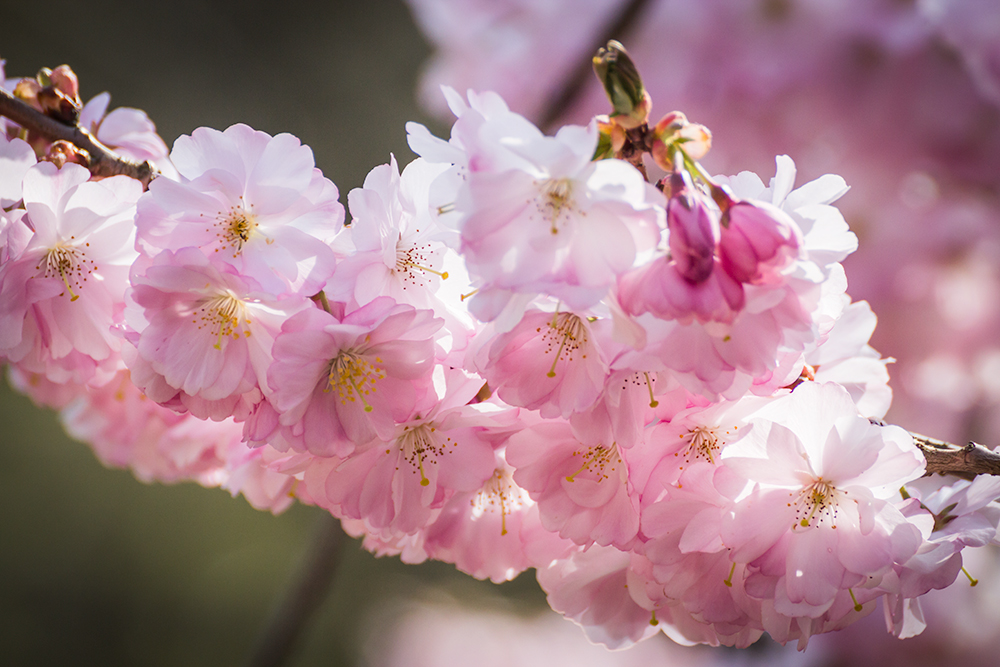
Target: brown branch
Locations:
point(303, 596)
point(966, 462)
point(103, 161)
point(945, 458)
point(564, 98)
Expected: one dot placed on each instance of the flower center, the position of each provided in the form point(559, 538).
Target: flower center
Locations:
point(354, 377)
point(703, 443)
point(420, 444)
point(235, 228)
point(70, 264)
point(555, 201)
point(224, 315)
point(601, 462)
point(500, 494)
point(566, 333)
point(413, 263)
point(817, 503)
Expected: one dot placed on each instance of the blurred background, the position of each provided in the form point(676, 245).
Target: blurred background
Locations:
point(901, 97)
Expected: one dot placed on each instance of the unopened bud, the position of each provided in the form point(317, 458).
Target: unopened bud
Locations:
point(694, 230)
point(65, 80)
point(622, 83)
point(61, 152)
point(673, 131)
point(27, 91)
point(610, 138)
point(758, 241)
point(55, 93)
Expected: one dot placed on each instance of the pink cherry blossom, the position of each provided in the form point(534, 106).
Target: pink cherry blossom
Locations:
point(493, 532)
point(444, 446)
point(202, 335)
point(341, 380)
point(64, 290)
point(535, 212)
point(591, 589)
point(129, 132)
point(550, 362)
point(395, 245)
point(249, 200)
point(817, 520)
point(582, 488)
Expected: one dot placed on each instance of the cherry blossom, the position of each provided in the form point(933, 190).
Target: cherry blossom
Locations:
point(249, 200)
point(64, 289)
point(817, 520)
point(535, 212)
point(582, 488)
point(202, 334)
point(341, 380)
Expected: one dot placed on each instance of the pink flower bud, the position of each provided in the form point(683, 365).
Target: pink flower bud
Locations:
point(65, 81)
point(758, 240)
point(694, 230)
point(673, 132)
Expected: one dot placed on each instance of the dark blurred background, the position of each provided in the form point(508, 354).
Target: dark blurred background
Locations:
point(97, 568)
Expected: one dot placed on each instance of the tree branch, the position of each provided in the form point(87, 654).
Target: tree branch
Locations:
point(966, 462)
point(945, 458)
point(303, 596)
point(103, 161)
point(616, 29)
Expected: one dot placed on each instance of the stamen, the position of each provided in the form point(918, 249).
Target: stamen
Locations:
point(234, 228)
point(409, 257)
point(972, 582)
point(354, 377)
point(501, 492)
point(556, 196)
point(649, 385)
point(420, 443)
point(729, 580)
point(818, 501)
point(599, 460)
point(857, 605)
point(224, 315)
point(703, 443)
point(571, 333)
point(652, 618)
point(71, 263)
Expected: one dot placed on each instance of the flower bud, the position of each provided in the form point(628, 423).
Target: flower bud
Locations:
point(64, 79)
point(55, 93)
point(610, 138)
point(61, 152)
point(694, 230)
point(758, 240)
point(27, 91)
point(673, 131)
point(622, 83)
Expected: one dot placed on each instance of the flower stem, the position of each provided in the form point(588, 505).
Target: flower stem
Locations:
point(618, 27)
point(302, 597)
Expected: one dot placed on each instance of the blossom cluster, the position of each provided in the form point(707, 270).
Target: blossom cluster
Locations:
point(516, 355)
point(900, 98)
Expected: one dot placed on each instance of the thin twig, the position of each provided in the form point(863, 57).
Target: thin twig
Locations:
point(303, 596)
point(103, 161)
point(617, 28)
